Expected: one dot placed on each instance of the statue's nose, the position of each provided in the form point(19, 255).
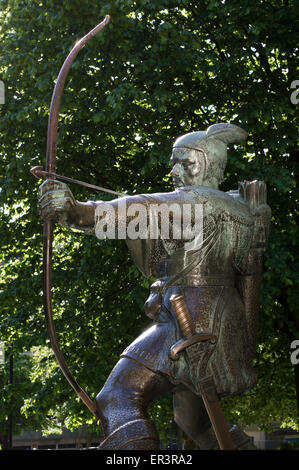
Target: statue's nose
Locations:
point(176, 170)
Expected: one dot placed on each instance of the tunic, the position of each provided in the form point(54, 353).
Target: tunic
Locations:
point(202, 265)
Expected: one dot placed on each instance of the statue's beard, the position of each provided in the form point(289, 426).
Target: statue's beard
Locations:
point(177, 182)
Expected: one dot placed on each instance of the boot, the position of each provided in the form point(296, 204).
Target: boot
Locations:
point(240, 439)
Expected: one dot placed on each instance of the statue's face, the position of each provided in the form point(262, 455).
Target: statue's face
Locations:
point(187, 167)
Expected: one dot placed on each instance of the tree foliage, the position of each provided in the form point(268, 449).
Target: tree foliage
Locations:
point(160, 69)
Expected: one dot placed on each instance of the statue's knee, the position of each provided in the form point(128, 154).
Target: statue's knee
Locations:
point(108, 399)
point(101, 400)
point(108, 407)
point(127, 393)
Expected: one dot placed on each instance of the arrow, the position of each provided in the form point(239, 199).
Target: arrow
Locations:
point(39, 173)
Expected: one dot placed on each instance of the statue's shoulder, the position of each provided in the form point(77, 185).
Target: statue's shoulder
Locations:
point(230, 203)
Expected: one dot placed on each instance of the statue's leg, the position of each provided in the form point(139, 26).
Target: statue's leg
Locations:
point(123, 403)
point(191, 416)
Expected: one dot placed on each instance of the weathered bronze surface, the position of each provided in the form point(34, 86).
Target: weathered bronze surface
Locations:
point(204, 304)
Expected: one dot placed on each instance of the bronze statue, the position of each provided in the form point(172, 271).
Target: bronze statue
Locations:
point(205, 248)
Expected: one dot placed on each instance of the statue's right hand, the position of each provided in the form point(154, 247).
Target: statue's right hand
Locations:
point(55, 201)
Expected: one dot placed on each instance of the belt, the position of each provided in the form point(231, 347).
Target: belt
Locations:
point(192, 280)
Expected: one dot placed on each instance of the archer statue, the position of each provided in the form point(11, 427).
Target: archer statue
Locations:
point(205, 249)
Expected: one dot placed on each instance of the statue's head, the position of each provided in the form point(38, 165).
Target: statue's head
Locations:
point(199, 158)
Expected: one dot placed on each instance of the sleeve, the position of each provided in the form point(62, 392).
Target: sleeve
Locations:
point(130, 219)
point(148, 222)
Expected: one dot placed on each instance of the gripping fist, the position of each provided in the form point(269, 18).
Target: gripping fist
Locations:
point(56, 201)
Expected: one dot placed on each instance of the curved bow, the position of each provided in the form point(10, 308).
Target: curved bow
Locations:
point(48, 224)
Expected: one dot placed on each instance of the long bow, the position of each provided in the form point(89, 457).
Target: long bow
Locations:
point(48, 224)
